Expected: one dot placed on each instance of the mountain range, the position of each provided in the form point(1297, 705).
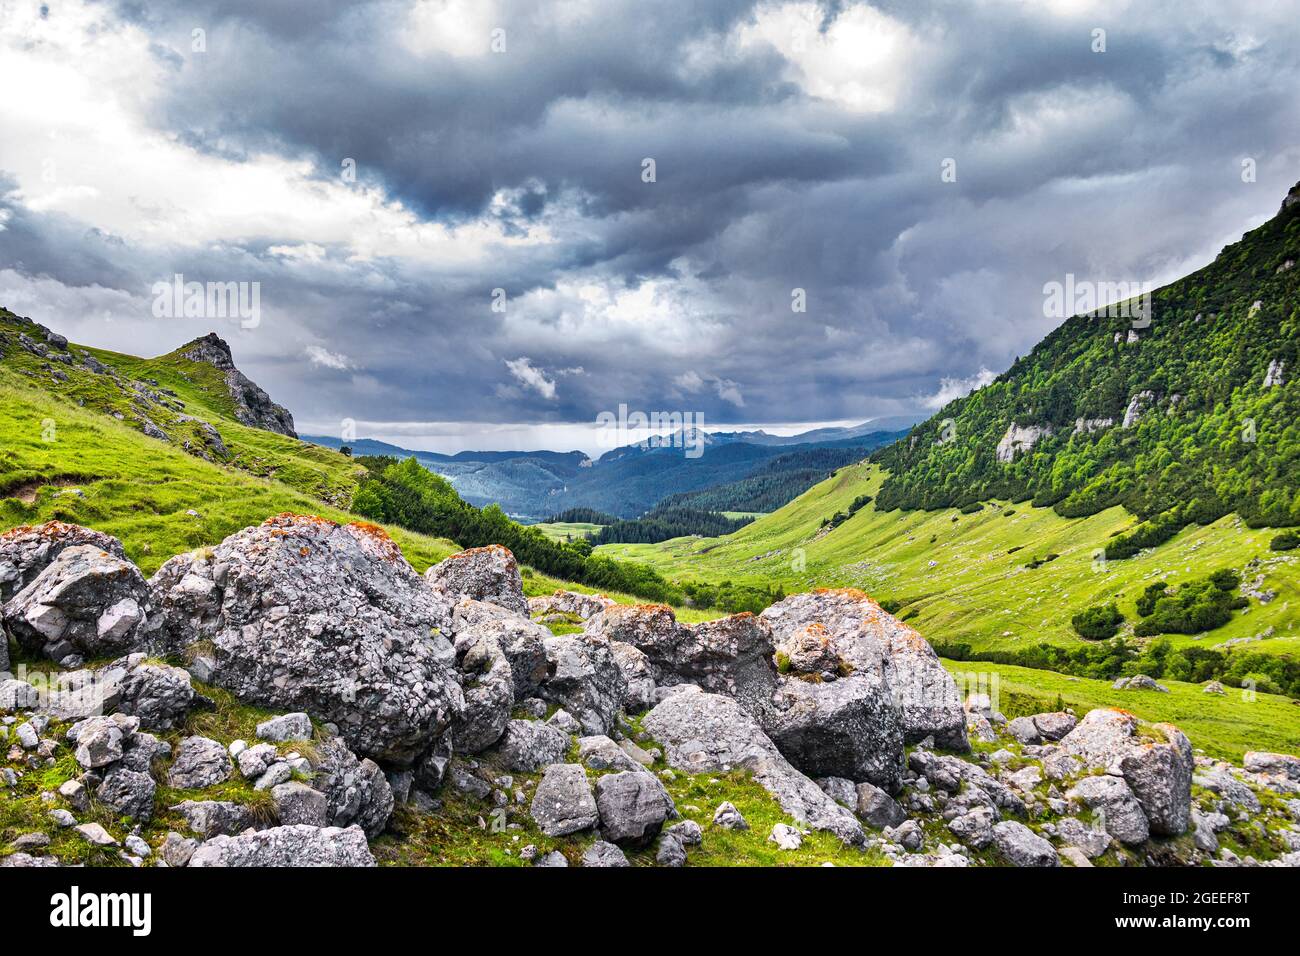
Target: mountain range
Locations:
point(632, 479)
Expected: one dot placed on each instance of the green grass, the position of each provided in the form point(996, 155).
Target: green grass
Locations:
point(567, 530)
point(1222, 726)
point(979, 590)
point(137, 488)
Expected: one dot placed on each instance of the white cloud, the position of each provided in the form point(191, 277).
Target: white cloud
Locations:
point(529, 376)
point(689, 381)
point(729, 391)
point(324, 358)
point(951, 389)
point(859, 62)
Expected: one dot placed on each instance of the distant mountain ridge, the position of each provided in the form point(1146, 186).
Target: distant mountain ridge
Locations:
point(627, 481)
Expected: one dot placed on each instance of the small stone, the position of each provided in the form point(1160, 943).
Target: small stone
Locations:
point(786, 837)
point(671, 851)
point(729, 818)
point(63, 818)
point(94, 833)
point(604, 854)
point(275, 775)
point(137, 846)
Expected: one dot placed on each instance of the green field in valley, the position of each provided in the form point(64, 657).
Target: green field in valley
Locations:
point(965, 575)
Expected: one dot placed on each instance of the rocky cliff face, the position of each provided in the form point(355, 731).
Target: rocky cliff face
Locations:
point(253, 406)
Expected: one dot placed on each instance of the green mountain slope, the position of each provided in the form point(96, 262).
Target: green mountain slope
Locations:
point(1209, 429)
point(964, 579)
point(176, 401)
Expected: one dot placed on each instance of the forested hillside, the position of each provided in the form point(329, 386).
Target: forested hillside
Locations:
point(1192, 417)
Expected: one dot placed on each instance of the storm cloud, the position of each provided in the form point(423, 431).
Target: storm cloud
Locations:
point(466, 213)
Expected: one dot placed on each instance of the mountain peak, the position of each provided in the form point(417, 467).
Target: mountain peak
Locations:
point(210, 348)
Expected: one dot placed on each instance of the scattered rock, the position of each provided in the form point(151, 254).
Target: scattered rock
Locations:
point(296, 845)
point(200, 762)
point(1021, 846)
point(786, 837)
point(285, 728)
point(603, 854)
point(563, 802)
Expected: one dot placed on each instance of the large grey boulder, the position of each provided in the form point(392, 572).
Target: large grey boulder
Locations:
point(633, 806)
point(869, 640)
point(1156, 764)
point(27, 550)
point(128, 793)
point(298, 803)
point(1271, 764)
point(210, 818)
point(1117, 809)
point(877, 808)
point(599, 752)
point(975, 827)
point(650, 628)
point(1021, 846)
point(488, 574)
point(846, 728)
point(1090, 841)
point(563, 802)
point(301, 614)
point(585, 680)
point(1160, 775)
point(86, 603)
point(158, 694)
point(710, 733)
point(604, 854)
point(296, 845)
point(527, 746)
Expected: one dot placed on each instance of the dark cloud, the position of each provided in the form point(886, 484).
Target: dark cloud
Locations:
point(1117, 165)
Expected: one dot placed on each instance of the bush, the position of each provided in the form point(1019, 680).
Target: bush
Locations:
point(1098, 623)
point(1197, 606)
point(1286, 541)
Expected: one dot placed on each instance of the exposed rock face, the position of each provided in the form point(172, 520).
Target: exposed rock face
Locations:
point(1137, 407)
point(356, 790)
point(1020, 440)
point(709, 733)
point(871, 641)
point(809, 651)
point(86, 603)
point(253, 407)
point(27, 550)
point(1021, 846)
point(1280, 765)
point(585, 680)
point(1117, 808)
point(650, 628)
point(488, 574)
point(488, 685)
point(297, 845)
point(301, 614)
point(1274, 375)
point(847, 728)
point(1086, 426)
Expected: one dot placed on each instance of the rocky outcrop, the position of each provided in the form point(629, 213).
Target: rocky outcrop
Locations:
point(870, 641)
point(1155, 765)
point(86, 603)
point(1137, 407)
point(849, 728)
point(253, 407)
point(25, 551)
point(302, 614)
point(709, 733)
point(1020, 440)
point(488, 574)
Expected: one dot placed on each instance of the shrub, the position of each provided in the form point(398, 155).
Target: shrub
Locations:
point(1098, 623)
point(1286, 541)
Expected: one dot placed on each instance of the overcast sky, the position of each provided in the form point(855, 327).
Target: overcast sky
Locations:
point(502, 145)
